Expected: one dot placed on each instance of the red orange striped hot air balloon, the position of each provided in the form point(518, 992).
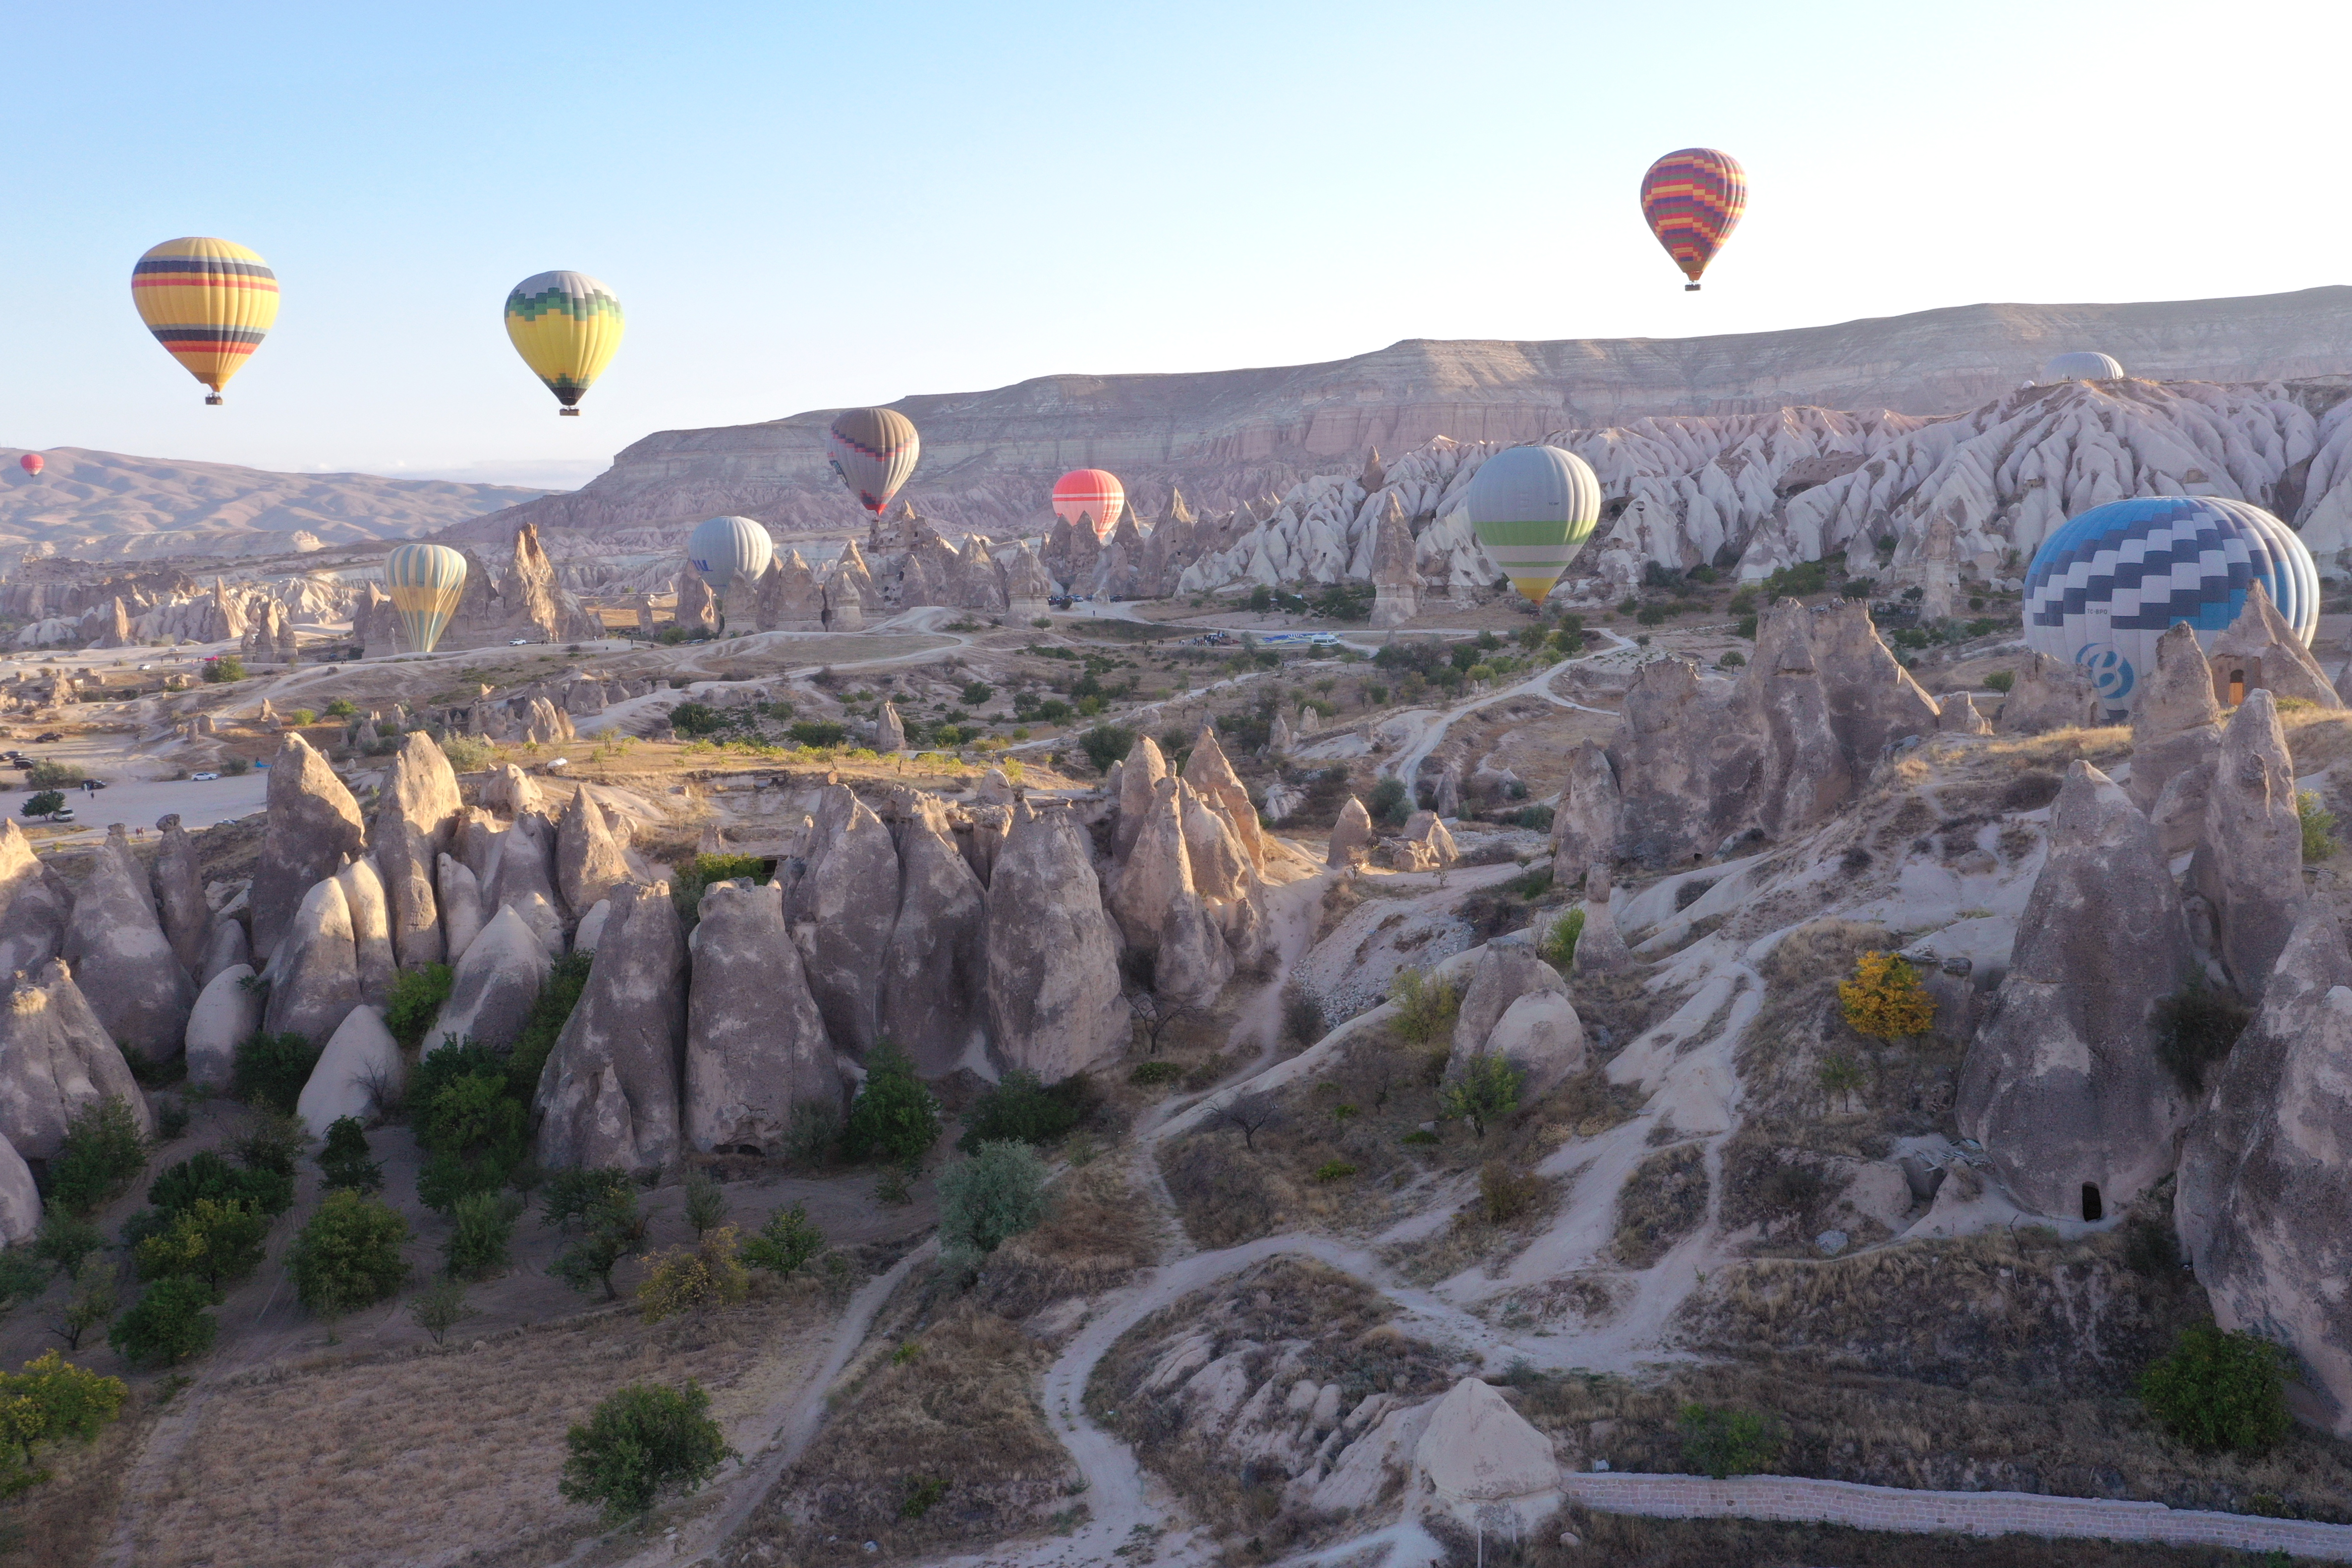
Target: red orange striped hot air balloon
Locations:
point(31, 463)
point(209, 302)
point(1094, 494)
point(1692, 201)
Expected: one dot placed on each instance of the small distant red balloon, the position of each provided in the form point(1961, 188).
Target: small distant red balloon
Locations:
point(30, 462)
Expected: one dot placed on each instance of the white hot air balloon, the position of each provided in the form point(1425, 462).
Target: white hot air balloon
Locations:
point(720, 549)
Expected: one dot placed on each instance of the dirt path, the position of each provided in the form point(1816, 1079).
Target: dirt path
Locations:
point(1433, 724)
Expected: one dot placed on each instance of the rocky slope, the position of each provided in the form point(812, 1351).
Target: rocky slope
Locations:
point(1229, 436)
point(106, 505)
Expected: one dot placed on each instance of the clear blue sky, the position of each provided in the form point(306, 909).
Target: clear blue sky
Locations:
point(805, 207)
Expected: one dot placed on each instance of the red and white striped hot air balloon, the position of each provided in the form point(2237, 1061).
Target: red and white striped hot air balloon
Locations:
point(31, 463)
point(1094, 494)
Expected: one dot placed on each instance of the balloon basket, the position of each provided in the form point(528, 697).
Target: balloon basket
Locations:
point(568, 413)
point(1690, 287)
point(214, 400)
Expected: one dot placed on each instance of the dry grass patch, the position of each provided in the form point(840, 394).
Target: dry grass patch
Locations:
point(1511, 1209)
point(67, 1520)
point(1626, 1540)
point(1661, 1202)
point(421, 1456)
point(1096, 1236)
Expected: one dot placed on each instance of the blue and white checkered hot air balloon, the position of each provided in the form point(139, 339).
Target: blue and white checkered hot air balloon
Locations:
point(2106, 585)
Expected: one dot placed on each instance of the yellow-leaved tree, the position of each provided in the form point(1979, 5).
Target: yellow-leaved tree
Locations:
point(1884, 1000)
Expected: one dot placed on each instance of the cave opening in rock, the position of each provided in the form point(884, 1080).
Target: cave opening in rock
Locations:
point(2093, 1207)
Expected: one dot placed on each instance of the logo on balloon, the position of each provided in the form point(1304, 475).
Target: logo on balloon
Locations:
point(2111, 673)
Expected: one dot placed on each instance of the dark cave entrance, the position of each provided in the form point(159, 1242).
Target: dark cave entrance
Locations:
point(2093, 1207)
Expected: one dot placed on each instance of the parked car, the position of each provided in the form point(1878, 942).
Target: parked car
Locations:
point(48, 738)
point(518, 642)
point(203, 777)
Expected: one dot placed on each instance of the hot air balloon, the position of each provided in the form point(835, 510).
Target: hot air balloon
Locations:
point(565, 325)
point(2083, 366)
point(31, 463)
point(208, 302)
point(1533, 508)
point(872, 450)
point(2105, 585)
point(722, 547)
point(1692, 200)
point(426, 581)
point(1094, 494)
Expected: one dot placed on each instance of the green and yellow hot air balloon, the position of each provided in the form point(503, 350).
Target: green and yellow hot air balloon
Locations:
point(565, 325)
point(426, 581)
point(1533, 508)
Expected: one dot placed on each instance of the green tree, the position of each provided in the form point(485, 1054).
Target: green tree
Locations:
point(549, 1014)
point(785, 1243)
point(228, 666)
point(1021, 1107)
point(440, 1306)
point(65, 1239)
point(693, 1279)
point(214, 1240)
point(2318, 827)
point(992, 1197)
point(1557, 947)
point(102, 1152)
point(347, 1256)
point(1487, 1091)
point(1426, 1009)
point(1107, 743)
point(2215, 1391)
point(269, 1070)
point(47, 802)
point(344, 1162)
point(90, 1306)
point(1842, 1077)
point(894, 1117)
point(417, 997)
point(1726, 1442)
point(482, 1225)
point(166, 1325)
point(641, 1442)
point(52, 1400)
point(705, 1204)
point(575, 1194)
point(1389, 803)
point(341, 708)
point(611, 1229)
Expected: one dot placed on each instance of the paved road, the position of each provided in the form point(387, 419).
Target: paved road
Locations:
point(139, 804)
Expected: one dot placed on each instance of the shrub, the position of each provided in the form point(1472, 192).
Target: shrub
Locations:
point(1388, 803)
point(2001, 680)
point(611, 1229)
point(348, 1257)
point(643, 1441)
point(1557, 947)
point(1022, 1108)
point(1155, 1072)
point(2194, 1029)
point(166, 1325)
point(341, 708)
point(816, 732)
point(1840, 1076)
point(576, 1194)
point(1107, 743)
point(1425, 1007)
point(440, 1306)
point(103, 1150)
point(65, 1239)
point(976, 692)
point(1487, 1091)
point(235, 767)
point(2214, 1391)
point(416, 996)
point(483, 1224)
point(207, 1176)
point(229, 667)
point(1334, 1171)
point(44, 773)
point(269, 1070)
point(2318, 827)
point(1505, 1195)
point(697, 718)
point(211, 1240)
point(1728, 1442)
point(992, 1197)
point(813, 1132)
point(172, 1122)
point(91, 1304)
point(47, 802)
point(693, 1279)
point(22, 1277)
point(697, 874)
point(894, 1117)
point(344, 1161)
point(785, 1243)
point(52, 1399)
point(706, 1203)
point(549, 1014)
point(1884, 1000)
point(274, 1143)
point(468, 754)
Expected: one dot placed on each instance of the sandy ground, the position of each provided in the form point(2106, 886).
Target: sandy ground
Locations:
point(139, 803)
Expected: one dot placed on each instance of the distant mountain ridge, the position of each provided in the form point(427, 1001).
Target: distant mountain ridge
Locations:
point(1229, 437)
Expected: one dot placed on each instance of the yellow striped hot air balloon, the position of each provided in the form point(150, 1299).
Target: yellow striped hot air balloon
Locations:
point(208, 302)
point(426, 581)
point(565, 325)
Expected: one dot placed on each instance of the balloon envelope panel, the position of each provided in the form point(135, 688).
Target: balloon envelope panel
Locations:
point(1532, 509)
point(1692, 201)
point(2083, 366)
point(1094, 494)
point(31, 463)
point(722, 547)
point(426, 581)
point(208, 301)
point(566, 326)
point(872, 451)
point(2105, 587)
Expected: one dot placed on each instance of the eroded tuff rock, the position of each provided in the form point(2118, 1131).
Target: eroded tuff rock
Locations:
point(2248, 863)
point(588, 861)
point(2061, 1085)
point(32, 912)
point(1426, 831)
point(1480, 1457)
point(416, 821)
point(1958, 715)
point(226, 947)
point(359, 1071)
point(1144, 766)
point(180, 904)
point(1211, 772)
point(843, 908)
point(370, 911)
point(1351, 835)
point(1158, 906)
point(1500, 976)
point(20, 1199)
point(227, 1012)
point(755, 1043)
point(935, 964)
point(1601, 949)
point(494, 984)
point(522, 868)
point(2264, 1200)
point(314, 975)
point(2049, 694)
point(2176, 724)
point(609, 1093)
point(121, 958)
point(56, 1060)
point(1053, 959)
point(2260, 650)
point(461, 906)
point(1585, 823)
point(314, 824)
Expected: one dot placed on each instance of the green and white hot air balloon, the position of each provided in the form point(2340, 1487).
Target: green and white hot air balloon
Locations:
point(1533, 508)
point(426, 581)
